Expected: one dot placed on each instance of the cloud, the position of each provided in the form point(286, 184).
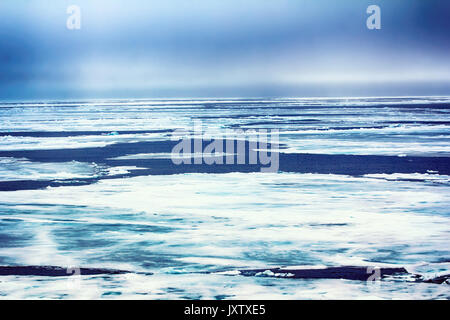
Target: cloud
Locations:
point(204, 46)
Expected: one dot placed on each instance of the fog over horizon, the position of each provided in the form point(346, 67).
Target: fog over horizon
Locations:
point(213, 48)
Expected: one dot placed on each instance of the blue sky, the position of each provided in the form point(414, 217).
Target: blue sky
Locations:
point(204, 48)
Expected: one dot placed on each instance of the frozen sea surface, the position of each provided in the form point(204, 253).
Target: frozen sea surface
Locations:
point(89, 184)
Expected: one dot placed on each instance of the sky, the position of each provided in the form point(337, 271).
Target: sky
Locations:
point(223, 48)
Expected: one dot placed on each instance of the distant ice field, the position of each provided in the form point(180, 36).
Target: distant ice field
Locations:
point(91, 184)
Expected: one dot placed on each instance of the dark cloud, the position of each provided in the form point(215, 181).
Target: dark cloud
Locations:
point(214, 47)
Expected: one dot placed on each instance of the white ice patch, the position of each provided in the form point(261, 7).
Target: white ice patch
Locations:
point(330, 143)
point(12, 169)
point(269, 273)
point(259, 219)
point(431, 177)
point(113, 171)
point(11, 143)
